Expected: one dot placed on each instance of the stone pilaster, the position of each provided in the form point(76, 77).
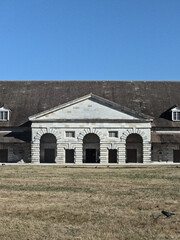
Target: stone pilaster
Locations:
point(35, 152)
point(146, 152)
point(79, 153)
point(103, 153)
point(60, 158)
point(122, 153)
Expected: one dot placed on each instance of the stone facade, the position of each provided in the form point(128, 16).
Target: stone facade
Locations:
point(81, 130)
point(90, 130)
point(94, 118)
point(163, 152)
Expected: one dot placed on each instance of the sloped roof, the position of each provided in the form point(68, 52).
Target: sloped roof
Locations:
point(15, 137)
point(97, 99)
point(27, 98)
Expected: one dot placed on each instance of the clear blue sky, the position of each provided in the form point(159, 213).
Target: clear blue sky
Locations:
point(89, 39)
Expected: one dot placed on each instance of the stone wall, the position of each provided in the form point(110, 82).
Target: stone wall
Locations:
point(163, 152)
point(17, 151)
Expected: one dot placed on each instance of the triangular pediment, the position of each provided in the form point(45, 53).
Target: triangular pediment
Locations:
point(89, 107)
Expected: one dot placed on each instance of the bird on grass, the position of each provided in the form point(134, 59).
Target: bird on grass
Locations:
point(167, 214)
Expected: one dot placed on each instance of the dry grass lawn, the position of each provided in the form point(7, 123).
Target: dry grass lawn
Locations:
point(54, 202)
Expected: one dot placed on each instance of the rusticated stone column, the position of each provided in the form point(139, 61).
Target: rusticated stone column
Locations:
point(60, 158)
point(103, 153)
point(78, 153)
point(35, 152)
point(146, 152)
point(122, 153)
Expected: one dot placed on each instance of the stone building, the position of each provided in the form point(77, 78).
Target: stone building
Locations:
point(89, 122)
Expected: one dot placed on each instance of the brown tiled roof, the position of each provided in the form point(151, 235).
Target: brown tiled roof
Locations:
point(26, 98)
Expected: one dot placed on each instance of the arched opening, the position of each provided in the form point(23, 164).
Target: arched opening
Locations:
point(91, 148)
point(134, 149)
point(48, 148)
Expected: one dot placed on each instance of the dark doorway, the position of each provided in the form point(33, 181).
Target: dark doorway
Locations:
point(3, 155)
point(131, 156)
point(49, 155)
point(91, 156)
point(91, 148)
point(176, 156)
point(69, 155)
point(112, 156)
point(48, 148)
point(134, 148)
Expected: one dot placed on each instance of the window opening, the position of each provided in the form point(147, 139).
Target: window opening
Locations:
point(4, 116)
point(70, 134)
point(113, 134)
